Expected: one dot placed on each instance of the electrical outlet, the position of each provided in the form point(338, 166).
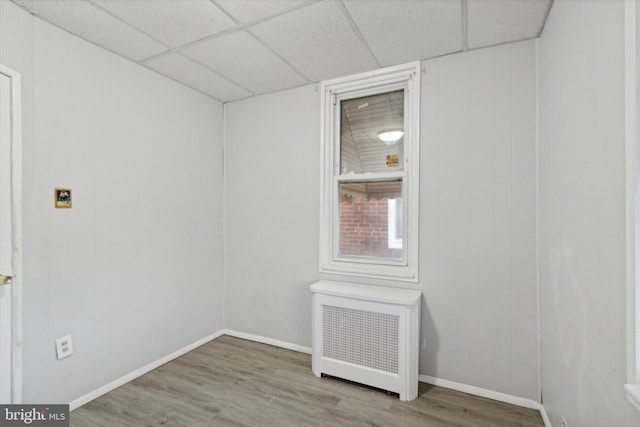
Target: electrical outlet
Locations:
point(64, 347)
point(564, 422)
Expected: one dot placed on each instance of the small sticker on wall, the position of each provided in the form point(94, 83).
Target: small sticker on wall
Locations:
point(62, 198)
point(393, 160)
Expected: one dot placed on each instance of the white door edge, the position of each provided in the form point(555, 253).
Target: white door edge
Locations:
point(16, 220)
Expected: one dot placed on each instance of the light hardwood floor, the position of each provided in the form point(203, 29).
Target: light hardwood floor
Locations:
point(235, 382)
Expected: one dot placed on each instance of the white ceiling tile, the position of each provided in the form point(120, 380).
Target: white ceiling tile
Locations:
point(491, 22)
point(172, 22)
point(318, 41)
point(407, 30)
point(197, 76)
point(309, 37)
point(246, 61)
point(245, 11)
point(93, 24)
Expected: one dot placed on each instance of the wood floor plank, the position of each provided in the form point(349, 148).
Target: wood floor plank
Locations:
point(235, 382)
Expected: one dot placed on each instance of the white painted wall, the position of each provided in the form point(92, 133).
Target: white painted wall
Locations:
point(581, 198)
point(134, 270)
point(477, 212)
point(271, 213)
point(477, 239)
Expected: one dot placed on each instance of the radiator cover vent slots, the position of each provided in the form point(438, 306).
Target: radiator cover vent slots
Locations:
point(367, 334)
point(364, 338)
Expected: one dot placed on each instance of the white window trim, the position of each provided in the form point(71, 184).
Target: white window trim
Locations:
point(632, 209)
point(369, 83)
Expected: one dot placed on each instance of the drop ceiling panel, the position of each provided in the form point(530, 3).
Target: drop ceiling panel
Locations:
point(241, 58)
point(93, 24)
point(172, 22)
point(417, 30)
point(239, 48)
point(197, 76)
point(318, 41)
point(491, 22)
point(246, 11)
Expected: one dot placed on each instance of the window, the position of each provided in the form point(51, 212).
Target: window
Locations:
point(369, 205)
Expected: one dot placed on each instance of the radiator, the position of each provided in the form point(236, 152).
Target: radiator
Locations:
point(367, 334)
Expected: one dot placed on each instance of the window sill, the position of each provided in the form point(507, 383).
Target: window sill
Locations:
point(633, 394)
point(375, 271)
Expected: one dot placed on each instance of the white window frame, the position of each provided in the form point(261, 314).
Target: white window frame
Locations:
point(632, 202)
point(407, 77)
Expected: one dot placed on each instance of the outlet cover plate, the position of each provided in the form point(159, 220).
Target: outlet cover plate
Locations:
point(64, 347)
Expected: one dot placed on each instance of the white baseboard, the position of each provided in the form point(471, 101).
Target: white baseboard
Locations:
point(265, 340)
point(545, 417)
point(139, 372)
point(489, 394)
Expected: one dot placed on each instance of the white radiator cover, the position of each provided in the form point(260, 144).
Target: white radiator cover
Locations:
point(368, 334)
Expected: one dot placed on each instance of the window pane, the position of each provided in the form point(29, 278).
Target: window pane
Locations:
point(364, 220)
point(365, 122)
point(398, 215)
